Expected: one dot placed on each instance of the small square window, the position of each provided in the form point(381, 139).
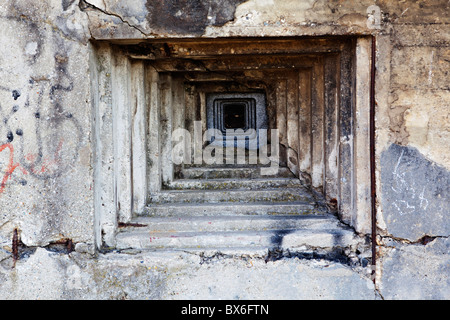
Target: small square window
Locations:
point(235, 115)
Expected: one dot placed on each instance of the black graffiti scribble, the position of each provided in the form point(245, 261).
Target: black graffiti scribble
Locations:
point(52, 166)
point(54, 134)
point(15, 94)
point(5, 116)
point(48, 161)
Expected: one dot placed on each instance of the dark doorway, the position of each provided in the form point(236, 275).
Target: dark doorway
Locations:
point(234, 116)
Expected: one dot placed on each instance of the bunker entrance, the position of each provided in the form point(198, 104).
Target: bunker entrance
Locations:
point(290, 101)
point(290, 105)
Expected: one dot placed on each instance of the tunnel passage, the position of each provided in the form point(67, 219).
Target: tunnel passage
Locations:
point(301, 89)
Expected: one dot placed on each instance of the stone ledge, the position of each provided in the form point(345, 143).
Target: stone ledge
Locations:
point(173, 275)
point(281, 232)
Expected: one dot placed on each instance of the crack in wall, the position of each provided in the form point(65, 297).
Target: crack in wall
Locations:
point(182, 17)
point(425, 240)
point(19, 250)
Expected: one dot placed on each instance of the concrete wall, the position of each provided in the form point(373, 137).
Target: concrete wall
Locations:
point(47, 154)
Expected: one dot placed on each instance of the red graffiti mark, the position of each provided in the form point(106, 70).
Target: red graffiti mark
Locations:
point(11, 165)
point(47, 163)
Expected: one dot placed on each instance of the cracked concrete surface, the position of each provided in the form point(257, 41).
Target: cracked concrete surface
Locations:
point(101, 8)
point(46, 156)
point(415, 271)
point(179, 275)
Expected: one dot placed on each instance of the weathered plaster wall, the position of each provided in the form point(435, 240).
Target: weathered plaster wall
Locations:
point(46, 154)
point(45, 129)
point(413, 145)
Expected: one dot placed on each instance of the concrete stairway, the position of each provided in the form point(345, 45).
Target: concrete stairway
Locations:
point(225, 208)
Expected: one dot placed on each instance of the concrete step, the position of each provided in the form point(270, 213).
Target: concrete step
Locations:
point(232, 223)
point(230, 173)
point(243, 184)
point(229, 208)
point(232, 195)
point(237, 157)
point(282, 232)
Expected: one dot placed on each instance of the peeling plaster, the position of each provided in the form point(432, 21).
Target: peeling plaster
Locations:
point(415, 194)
